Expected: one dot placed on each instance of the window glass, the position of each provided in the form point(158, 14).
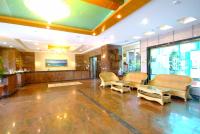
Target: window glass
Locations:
point(181, 58)
point(131, 57)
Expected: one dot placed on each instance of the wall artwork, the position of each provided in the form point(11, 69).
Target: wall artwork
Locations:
point(55, 63)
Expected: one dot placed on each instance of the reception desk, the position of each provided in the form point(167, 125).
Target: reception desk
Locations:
point(9, 84)
point(54, 76)
point(12, 82)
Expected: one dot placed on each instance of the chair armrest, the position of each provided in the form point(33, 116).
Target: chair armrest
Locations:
point(188, 87)
point(144, 82)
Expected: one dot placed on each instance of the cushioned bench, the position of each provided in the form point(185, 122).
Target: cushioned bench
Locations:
point(134, 79)
point(178, 84)
point(107, 78)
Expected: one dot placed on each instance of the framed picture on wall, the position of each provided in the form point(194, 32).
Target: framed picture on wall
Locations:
point(55, 63)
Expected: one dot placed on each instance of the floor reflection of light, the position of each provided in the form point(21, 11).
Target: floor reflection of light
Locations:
point(62, 116)
point(38, 97)
point(8, 132)
point(65, 115)
point(182, 124)
point(74, 92)
point(38, 130)
point(40, 118)
point(13, 124)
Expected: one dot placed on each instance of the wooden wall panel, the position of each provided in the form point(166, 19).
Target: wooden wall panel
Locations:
point(9, 58)
point(110, 58)
point(79, 60)
point(28, 59)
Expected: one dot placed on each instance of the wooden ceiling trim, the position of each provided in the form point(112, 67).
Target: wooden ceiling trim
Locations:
point(125, 10)
point(37, 24)
point(110, 4)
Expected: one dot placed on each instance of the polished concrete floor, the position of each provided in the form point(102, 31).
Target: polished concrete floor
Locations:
point(89, 109)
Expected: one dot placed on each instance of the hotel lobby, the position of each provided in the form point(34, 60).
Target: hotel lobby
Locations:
point(99, 67)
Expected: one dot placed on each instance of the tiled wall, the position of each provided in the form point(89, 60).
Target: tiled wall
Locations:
point(193, 31)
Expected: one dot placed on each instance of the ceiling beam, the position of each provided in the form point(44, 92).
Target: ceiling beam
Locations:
point(110, 4)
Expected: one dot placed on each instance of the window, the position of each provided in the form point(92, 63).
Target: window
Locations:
point(180, 58)
point(131, 57)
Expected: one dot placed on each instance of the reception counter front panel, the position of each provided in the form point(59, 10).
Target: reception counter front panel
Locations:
point(13, 81)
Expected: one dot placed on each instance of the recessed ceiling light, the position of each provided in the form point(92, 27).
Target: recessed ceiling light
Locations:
point(149, 33)
point(186, 20)
point(165, 27)
point(145, 21)
point(176, 2)
point(11, 46)
point(103, 29)
point(119, 16)
point(137, 37)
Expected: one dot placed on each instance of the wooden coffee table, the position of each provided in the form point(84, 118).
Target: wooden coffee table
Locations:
point(120, 86)
point(152, 93)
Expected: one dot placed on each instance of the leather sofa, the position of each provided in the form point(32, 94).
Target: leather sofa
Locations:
point(134, 79)
point(178, 84)
point(107, 78)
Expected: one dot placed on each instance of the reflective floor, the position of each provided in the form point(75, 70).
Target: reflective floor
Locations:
point(89, 109)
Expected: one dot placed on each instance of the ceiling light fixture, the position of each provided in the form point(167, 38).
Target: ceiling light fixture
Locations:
point(149, 33)
point(186, 20)
point(176, 2)
point(49, 10)
point(137, 37)
point(165, 27)
point(145, 21)
point(119, 16)
point(103, 29)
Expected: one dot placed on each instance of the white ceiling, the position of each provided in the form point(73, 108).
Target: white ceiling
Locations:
point(158, 12)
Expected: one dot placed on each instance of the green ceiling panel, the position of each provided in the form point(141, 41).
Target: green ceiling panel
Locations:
point(83, 15)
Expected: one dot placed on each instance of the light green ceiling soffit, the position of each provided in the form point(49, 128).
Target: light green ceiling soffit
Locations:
point(83, 15)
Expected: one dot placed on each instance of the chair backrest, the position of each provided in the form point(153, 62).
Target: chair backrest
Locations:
point(135, 77)
point(171, 81)
point(108, 76)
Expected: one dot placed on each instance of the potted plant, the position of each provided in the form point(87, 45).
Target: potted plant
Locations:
point(1, 69)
